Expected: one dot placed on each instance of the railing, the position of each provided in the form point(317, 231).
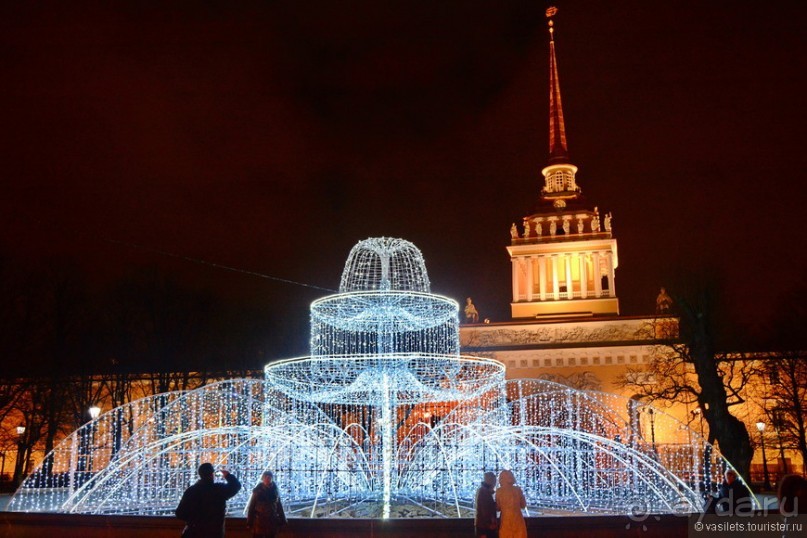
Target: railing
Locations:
point(563, 296)
point(560, 238)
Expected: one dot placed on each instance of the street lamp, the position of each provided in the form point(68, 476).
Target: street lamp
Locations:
point(95, 412)
point(20, 465)
point(696, 413)
point(761, 428)
point(652, 412)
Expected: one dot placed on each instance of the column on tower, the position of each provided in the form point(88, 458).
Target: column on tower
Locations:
point(530, 285)
point(555, 283)
point(542, 277)
point(583, 276)
point(567, 258)
point(516, 279)
point(596, 275)
point(610, 267)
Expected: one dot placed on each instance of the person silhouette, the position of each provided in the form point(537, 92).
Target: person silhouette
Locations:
point(485, 521)
point(204, 504)
point(265, 515)
point(510, 501)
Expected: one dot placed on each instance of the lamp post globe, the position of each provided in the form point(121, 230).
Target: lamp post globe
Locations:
point(21, 464)
point(767, 477)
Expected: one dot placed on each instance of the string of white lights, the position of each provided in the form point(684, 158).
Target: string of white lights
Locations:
point(384, 419)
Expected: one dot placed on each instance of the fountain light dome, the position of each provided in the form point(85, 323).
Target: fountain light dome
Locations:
point(385, 263)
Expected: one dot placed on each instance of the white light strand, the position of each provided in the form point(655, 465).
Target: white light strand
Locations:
point(384, 419)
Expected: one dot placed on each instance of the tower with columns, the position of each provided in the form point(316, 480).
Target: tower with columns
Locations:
point(564, 256)
point(566, 326)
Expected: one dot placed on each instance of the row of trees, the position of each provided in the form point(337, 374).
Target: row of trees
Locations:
point(66, 347)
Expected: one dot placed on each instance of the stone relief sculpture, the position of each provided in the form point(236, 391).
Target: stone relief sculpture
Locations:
point(551, 335)
point(580, 380)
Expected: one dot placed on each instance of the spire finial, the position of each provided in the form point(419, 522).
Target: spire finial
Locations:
point(558, 151)
point(550, 12)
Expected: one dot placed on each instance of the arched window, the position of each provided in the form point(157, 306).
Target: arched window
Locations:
point(557, 181)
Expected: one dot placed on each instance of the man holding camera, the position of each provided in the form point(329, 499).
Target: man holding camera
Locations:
point(204, 504)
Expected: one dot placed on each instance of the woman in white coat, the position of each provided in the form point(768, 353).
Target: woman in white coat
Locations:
point(510, 501)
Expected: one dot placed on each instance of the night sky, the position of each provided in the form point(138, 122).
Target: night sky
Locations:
point(272, 136)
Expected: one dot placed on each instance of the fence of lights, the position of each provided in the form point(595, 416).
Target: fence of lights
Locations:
point(384, 419)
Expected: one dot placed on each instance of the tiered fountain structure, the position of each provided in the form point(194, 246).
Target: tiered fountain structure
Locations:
point(384, 419)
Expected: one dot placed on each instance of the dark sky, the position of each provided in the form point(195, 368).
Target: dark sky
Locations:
point(272, 136)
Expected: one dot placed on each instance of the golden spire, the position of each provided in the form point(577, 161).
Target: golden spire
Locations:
point(558, 151)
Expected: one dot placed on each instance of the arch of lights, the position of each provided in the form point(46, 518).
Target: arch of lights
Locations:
point(384, 419)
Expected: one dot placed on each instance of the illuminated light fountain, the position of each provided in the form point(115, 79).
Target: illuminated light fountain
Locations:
point(384, 419)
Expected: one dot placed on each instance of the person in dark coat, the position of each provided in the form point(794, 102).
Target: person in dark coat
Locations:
point(792, 495)
point(265, 514)
point(485, 521)
point(204, 504)
point(734, 497)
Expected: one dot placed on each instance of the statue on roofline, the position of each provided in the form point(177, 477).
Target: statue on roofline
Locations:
point(663, 302)
point(471, 314)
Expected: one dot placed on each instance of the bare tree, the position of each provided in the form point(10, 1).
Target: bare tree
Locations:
point(785, 371)
point(688, 368)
